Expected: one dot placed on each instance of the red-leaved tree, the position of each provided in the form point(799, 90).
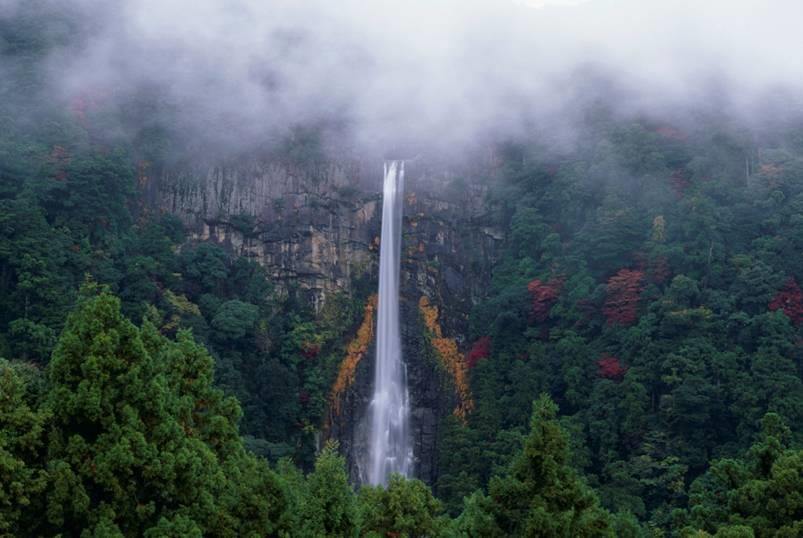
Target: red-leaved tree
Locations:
point(679, 182)
point(790, 300)
point(611, 368)
point(544, 294)
point(624, 290)
point(60, 159)
point(671, 133)
point(310, 350)
point(480, 350)
point(658, 269)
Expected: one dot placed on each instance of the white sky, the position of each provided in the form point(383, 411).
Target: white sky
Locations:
point(544, 3)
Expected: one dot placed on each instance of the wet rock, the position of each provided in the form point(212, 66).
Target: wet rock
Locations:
point(316, 228)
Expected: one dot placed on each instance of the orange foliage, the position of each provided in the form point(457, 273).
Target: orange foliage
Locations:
point(430, 315)
point(450, 357)
point(354, 353)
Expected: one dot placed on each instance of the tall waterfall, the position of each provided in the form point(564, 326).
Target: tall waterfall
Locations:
point(390, 449)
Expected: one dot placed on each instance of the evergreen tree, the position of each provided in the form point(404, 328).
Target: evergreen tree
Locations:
point(540, 495)
point(760, 495)
point(329, 505)
point(405, 508)
point(141, 442)
point(22, 434)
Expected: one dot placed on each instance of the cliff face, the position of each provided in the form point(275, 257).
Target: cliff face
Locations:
point(318, 227)
point(309, 226)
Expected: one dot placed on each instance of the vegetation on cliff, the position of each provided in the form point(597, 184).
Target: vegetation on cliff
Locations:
point(449, 356)
point(648, 288)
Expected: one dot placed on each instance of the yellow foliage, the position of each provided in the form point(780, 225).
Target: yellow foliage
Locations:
point(430, 314)
point(180, 306)
point(452, 360)
point(659, 229)
point(354, 353)
point(692, 313)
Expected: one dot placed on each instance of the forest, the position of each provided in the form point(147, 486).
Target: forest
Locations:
point(635, 366)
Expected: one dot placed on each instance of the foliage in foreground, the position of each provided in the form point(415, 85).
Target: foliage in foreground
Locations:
point(129, 437)
point(125, 435)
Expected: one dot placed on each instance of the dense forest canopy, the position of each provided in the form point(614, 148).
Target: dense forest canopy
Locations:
point(635, 366)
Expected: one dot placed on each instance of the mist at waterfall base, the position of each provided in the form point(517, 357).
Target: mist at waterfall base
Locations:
point(390, 447)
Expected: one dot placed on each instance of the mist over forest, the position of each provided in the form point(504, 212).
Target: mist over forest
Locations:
point(243, 73)
point(586, 321)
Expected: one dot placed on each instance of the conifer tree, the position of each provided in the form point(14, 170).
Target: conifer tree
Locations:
point(22, 479)
point(142, 444)
point(541, 495)
point(328, 506)
point(759, 495)
point(405, 508)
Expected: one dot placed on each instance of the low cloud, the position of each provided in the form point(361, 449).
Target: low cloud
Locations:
point(442, 71)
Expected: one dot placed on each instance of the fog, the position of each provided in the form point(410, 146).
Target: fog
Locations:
point(384, 72)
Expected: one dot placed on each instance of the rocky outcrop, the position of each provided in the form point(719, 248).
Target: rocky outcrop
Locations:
point(317, 227)
point(311, 227)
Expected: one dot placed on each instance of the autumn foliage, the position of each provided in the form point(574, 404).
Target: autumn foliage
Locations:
point(544, 295)
point(610, 368)
point(671, 133)
point(354, 353)
point(452, 360)
point(679, 182)
point(790, 300)
point(659, 270)
point(480, 350)
point(83, 106)
point(310, 350)
point(60, 159)
point(624, 290)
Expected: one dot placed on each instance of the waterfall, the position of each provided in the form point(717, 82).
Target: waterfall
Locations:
point(390, 449)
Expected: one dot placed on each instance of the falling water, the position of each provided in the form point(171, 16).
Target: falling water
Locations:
point(390, 450)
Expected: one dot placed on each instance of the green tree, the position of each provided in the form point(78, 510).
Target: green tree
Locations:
point(405, 508)
point(234, 319)
point(541, 495)
point(22, 435)
point(329, 505)
point(141, 442)
point(759, 495)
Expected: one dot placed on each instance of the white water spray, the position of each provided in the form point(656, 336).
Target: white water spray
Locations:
point(390, 449)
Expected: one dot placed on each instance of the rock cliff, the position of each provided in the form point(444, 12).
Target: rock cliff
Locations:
point(317, 226)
